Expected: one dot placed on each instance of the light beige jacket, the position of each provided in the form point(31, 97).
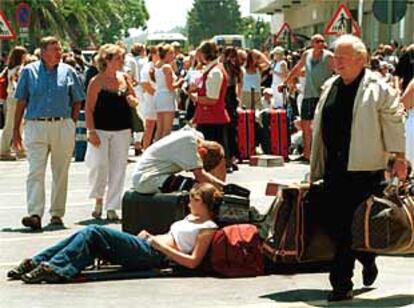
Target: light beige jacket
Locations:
point(377, 127)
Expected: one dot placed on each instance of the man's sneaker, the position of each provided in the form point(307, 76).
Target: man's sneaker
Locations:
point(369, 274)
point(56, 221)
point(24, 267)
point(336, 296)
point(34, 222)
point(111, 215)
point(42, 273)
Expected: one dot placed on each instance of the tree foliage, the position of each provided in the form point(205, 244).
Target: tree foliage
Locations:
point(211, 17)
point(80, 23)
point(256, 31)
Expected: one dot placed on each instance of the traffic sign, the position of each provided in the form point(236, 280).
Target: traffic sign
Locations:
point(23, 12)
point(389, 12)
point(285, 34)
point(6, 30)
point(342, 22)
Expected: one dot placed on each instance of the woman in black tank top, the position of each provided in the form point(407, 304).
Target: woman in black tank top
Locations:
point(109, 100)
point(112, 111)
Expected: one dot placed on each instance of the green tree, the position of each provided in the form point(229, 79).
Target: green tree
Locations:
point(256, 31)
point(211, 17)
point(80, 23)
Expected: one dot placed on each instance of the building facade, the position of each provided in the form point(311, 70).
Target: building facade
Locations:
point(307, 17)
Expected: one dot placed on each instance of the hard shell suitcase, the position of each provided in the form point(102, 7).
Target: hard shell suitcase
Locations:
point(275, 133)
point(246, 133)
point(154, 213)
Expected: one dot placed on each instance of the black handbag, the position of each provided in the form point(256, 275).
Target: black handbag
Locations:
point(137, 124)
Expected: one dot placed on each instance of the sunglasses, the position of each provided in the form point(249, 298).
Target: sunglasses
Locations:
point(319, 41)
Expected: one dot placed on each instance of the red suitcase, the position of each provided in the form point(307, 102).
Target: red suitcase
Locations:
point(246, 133)
point(276, 136)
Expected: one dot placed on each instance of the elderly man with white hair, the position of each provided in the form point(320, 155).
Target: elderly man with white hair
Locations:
point(358, 123)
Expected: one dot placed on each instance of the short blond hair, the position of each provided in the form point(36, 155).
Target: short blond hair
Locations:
point(106, 53)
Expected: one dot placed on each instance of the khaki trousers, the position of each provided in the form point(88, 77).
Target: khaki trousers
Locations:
point(56, 138)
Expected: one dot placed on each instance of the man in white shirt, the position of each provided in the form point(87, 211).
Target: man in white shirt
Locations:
point(184, 150)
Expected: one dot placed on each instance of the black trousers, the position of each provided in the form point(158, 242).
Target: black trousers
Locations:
point(341, 196)
point(215, 132)
point(231, 107)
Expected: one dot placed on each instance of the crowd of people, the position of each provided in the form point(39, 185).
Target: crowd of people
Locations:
point(348, 103)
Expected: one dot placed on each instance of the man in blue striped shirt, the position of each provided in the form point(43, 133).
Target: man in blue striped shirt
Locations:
point(51, 93)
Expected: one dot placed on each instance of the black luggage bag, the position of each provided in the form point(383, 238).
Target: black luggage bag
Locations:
point(152, 212)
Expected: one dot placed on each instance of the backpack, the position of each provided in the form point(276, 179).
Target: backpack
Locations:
point(236, 252)
point(3, 84)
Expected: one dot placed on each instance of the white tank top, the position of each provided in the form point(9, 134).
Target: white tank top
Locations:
point(185, 232)
point(251, 81)
point(160, 81)
point(277, 80)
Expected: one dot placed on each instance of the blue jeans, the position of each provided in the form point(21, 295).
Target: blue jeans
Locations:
point(71, 255)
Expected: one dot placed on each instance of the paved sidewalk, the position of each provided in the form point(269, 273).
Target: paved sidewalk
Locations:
point(394, 287)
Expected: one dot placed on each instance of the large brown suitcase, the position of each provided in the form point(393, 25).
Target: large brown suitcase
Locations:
point(294, 236)
point(385, 225)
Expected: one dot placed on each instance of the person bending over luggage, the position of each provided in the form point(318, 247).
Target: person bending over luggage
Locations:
point(184, 150)
point(186, 244)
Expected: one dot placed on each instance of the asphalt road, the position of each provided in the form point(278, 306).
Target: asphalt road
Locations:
point(393, 288)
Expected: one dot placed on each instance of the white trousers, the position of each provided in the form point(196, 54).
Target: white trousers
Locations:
point(7, 135)
point(107, 166)
point(56, 138)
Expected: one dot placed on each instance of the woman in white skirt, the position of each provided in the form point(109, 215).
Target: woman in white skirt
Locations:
point(148, 104)
point(408, 100)
point(280, 71)
point(108, 120)
point(166, 84)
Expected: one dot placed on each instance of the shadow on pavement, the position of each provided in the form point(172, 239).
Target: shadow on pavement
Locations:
point(290, 269)
point(94, 221)
point(116, 273)
point(317, 298)
point(47, 228)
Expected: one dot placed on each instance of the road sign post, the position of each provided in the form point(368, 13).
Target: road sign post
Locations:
point(6, 30)
point(342, 22)
point(23, 13)
point(285, 35)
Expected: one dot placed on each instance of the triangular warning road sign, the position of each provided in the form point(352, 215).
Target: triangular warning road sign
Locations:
point(338, 24)
point(6, 30)
point(284, 33)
